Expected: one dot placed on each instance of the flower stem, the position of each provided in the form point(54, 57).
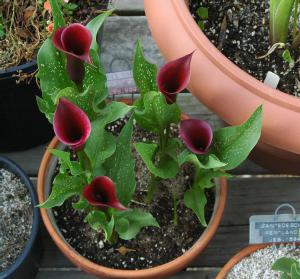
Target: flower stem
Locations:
point(151, 189)
point(84, 162)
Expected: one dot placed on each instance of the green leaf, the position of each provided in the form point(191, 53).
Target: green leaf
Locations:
point(201, 24)
point(64, 187)
point(202, 12)
point(99, 146)
point(115, 111)
point(286, 55)
point(195, 199)
point(122, 225)
point(82, 204)
point(97, 220)
point(65, 160)
point(172, 148)
point(157, 114)
point(167, 168)
point(232, 145)
point(58, 18)
point(280, 14)
point(144, 73)
point(284, 264)
point(102, 144)
point(94, 25)
point(121, 166)
point(201, 162)
point(206, 177)
point(95, 77)
point(129, 223)
point(87, 100)
point(45, 108)
point(295, 272)
point(52, 76)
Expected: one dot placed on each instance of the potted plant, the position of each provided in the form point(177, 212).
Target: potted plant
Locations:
point(20, 249)
point(263, 261)
point(220, 84)
point(23, 27)
point(120, 193)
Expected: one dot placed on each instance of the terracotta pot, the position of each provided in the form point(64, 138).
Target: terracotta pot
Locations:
point(238, 257)
point(226, 89)
point(45, 175)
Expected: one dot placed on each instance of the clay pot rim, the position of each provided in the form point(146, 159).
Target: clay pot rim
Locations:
point(225, 65)
point(155, 272)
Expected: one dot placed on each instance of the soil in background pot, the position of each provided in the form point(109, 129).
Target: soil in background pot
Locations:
point(16, 218)
point(259, 264)
point(23, 125)
point(152, 246)
point(23, 26)
point(240, 30)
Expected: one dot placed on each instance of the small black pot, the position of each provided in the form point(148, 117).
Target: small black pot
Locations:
point(22, 124)
point(27, 264)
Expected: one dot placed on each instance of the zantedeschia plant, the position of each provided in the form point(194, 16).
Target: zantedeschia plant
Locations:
point(211, 153)
point(280, 16)
point(102, 178)
point(74, 91)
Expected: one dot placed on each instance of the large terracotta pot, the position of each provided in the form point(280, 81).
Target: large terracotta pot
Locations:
point(226, 89)
point(45, 175)
point(238, 257)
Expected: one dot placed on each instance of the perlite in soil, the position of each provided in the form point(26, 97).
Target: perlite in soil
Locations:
point(259, 264)
point(16, 217)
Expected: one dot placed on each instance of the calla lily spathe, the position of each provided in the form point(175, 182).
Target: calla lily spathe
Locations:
point(75, 41)
point(71, 125)
point(101, 193)
point(174, 76)
point(196, 134)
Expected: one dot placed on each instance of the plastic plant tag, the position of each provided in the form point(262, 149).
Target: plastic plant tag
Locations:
point(272, 80)
point(120, 83)
point(275, 228)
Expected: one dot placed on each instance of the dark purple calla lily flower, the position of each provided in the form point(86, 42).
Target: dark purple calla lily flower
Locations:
point(75, 41)
point(174, 76)
point(71, 125)
point(101, 193)
point(196, 134)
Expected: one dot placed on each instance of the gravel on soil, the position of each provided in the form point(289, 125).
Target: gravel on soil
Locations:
point(16, 217)
point(258, 265)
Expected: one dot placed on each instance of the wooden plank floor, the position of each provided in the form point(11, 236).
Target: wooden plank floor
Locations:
point(253, 189)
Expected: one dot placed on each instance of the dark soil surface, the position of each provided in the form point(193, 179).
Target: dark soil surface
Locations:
point(88, 9)
point(245, 36)
point(152, 246)
point(16, 217)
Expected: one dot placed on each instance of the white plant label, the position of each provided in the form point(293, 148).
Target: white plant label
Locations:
point(120, 83)
point(275, 228)
point(272, 80)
